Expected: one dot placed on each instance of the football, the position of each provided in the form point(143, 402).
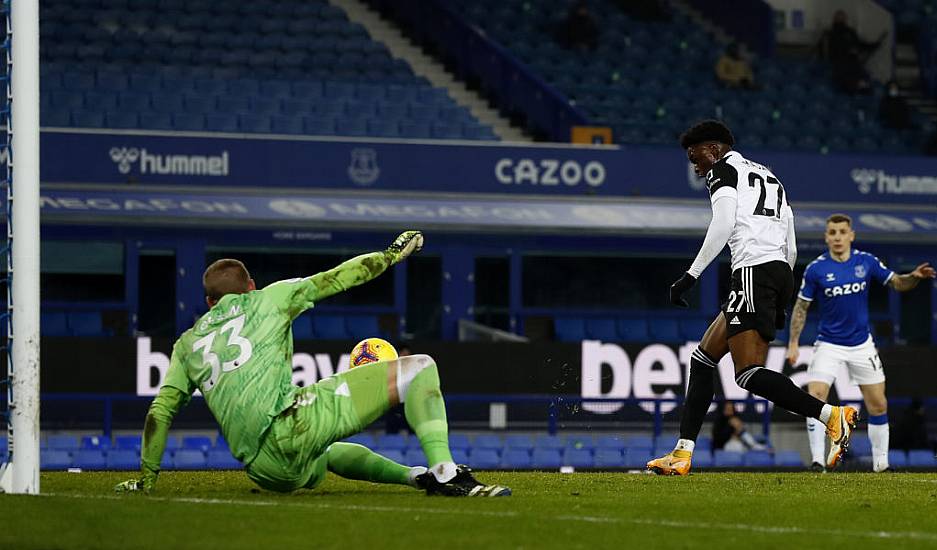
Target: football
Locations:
point(371, 350)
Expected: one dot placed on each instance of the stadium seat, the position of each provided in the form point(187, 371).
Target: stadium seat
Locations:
point(633, 330)
point(62, 442)
point(636, 457)
point(579, 442)
point(89, 459)
point(487, 441)
point(693, 328)
point(602, 329)
point(362, 326)
point(53, 324)
point(50, 459)
point(221, 122)
point(392, 454)
point(644, 441)
point(189, 459)
point(458, 441)
point(758, 459)
point(196, 442)
point(128, 442)
point(704, 443)
point(393, 441)
point(415, 457)
point(172, 443)
point(329, 327)
point(664, 444)
point(460, 456)
point(546, 458)
point(919, 458)
point(613, 442)
point(578, 458)
point(156, 121)
point(569, 329)
point(87, 119)
point(221, 459)
point(514, 458)
point(85, 323)
point(254, 123)
point(363, 438)
point(727, 459)
point(188, 122)
point(897, 458)
point(517, 441)
point(95, 442)
point(548, 442)
point(702, 459)
point(122, 459)
point(609, 458)
point(484, 458)
point(302, 327)
point(290, 125)
point(860, 445)
point(220, 443)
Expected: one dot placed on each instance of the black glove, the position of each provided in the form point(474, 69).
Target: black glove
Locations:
point(679, 288)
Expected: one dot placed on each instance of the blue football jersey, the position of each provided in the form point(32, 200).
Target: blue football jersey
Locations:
point(842, 290)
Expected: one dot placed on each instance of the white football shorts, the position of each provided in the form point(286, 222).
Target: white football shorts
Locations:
point(861, 362)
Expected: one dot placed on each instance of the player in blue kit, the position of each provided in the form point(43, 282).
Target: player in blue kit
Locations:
point(839, 281)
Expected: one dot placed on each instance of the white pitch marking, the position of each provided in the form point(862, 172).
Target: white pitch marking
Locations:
point(780, 530)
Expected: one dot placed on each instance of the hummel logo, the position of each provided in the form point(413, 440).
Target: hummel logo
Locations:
point(735, 321)
point(830, 277)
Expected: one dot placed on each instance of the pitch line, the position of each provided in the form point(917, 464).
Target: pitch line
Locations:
point(764, 529)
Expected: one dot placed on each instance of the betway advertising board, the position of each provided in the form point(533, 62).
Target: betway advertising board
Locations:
point(100, 157)
point(590, 369)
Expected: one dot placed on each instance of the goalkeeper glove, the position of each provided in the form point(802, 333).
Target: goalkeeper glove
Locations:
point(679, 288)
point(144, 484)
point(407, 243)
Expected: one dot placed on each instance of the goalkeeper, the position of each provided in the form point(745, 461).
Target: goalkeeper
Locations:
point(239, 354)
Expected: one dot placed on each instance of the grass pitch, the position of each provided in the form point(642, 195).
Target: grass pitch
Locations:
point(224, 510)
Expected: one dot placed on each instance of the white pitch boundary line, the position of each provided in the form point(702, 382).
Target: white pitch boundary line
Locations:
point(764, 529)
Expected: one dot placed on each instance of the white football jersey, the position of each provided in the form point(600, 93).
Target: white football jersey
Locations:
point(763, 213)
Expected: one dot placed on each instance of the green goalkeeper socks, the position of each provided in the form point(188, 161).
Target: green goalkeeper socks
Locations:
point(353, 461)
point(426, 413)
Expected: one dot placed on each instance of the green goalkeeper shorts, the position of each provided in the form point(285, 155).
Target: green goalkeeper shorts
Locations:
point(292, 455)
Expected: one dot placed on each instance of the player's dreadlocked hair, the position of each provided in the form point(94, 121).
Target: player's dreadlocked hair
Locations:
point(707, 130)
point(225, 276)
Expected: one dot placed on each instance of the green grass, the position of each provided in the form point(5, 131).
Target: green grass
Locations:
point(224, 510)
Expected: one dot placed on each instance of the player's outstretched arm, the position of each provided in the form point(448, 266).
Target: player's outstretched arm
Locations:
point(155, 431)
point(798, 319)
point(904, 283)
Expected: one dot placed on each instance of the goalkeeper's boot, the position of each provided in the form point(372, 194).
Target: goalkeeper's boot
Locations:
point(674, 463)
point(462, 485)
point(843, 420)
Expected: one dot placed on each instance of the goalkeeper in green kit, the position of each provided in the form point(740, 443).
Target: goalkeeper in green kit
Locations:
point(239, 354)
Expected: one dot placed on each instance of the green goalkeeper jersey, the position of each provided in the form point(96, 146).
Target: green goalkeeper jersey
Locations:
point(239, 355)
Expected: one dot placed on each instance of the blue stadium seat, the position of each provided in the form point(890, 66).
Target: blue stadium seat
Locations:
point(156, 121)
point(130, 101)
point(254, 124)
point(693, 328)
point(89, 459)
point(50, 459)
point(188, 122)
point(221, 459)
point(85, 323)
point(121, 120)
point(664, 330)
point(383, 128)
point(702, 459)
point(518, 441)
point(363, 438)
point(637, 457)
point(362, 326)
point(446, 131)
point(414, 130)
point(644, 441)
point(548, 442)
point(233, 105)
point(172, 443)
point(219, 122)
point(220, 443)
point(897, 458)
point(302, 327)
point(4, 453)
point(633, 330)
point(487, 441)
point(919, 458)
point(579, 442)
point(95, 442)
point(319, 125)
point(704, 443)
point(62, 442)
point(199, 104)
point(393, 441)
point(609, 458)
point(758, 459)
point(602, 328)
point(197, 442)
point(727, 459)
point(296, 107)
point(87, 119)
point(610, 442)
point(414, 457)
point(354, 127)
point(578, 458)
point(189, 459)
point(166, 103)
point(460, 456)
point(459, 441)
point(665, 443)
point(515, 458)
point(484, 458)
point(128, 442)
point(122, 459)
point(67, 100)
point(546, 458)
point(329, 327)
point(53, 324)
point(860, 445)
point(569, 329)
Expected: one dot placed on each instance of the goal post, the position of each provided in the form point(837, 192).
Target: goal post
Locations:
point(21, 475)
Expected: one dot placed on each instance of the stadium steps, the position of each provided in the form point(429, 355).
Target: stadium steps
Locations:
point(427, 67)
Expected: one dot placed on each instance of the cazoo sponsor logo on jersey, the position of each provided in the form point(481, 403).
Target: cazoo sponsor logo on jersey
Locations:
point(130, 159)
point(550, 172)
point(882, 183)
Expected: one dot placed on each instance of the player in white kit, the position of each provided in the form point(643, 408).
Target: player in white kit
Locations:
point(839, 281)
point(752, 214)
